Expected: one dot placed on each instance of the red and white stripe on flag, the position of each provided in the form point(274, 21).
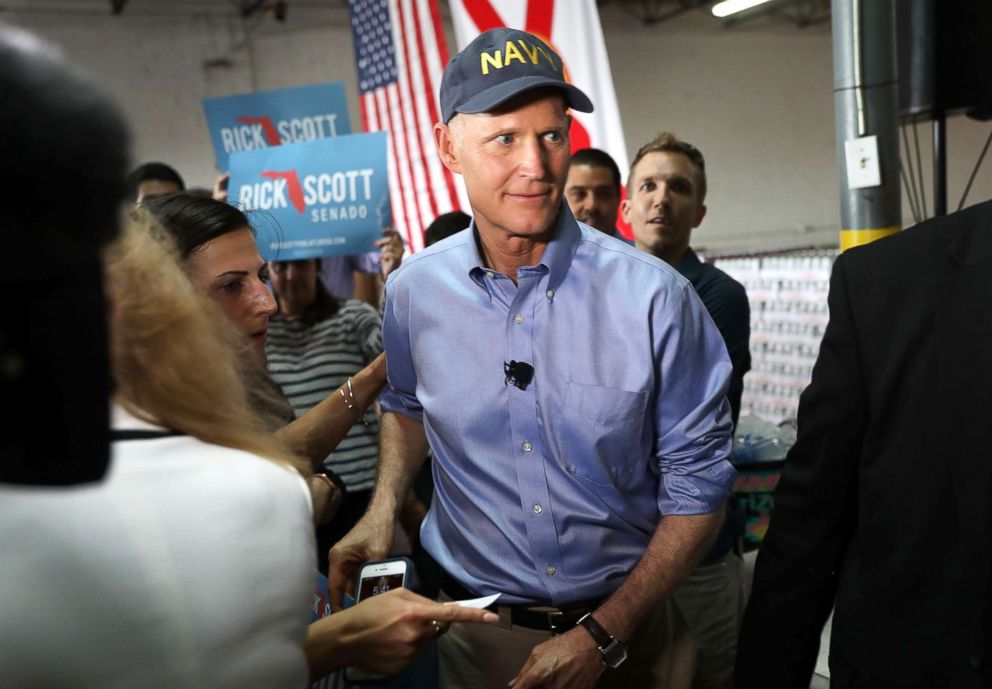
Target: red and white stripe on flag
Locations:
point(400, 54)
point(572, 28)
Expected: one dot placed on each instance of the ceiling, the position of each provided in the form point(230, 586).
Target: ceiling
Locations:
point(649, 12)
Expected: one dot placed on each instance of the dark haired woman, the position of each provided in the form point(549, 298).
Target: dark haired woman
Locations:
point(217, 246)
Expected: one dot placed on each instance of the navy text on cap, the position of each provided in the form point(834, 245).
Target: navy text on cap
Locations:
point(498, 65)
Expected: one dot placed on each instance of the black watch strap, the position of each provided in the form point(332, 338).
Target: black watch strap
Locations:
point(614, 652)
point(596, 631)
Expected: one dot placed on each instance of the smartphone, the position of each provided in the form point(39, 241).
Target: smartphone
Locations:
point(374, 578)
point(382, 576)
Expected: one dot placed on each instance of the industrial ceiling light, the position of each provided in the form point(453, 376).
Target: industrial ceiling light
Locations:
point(729, 7)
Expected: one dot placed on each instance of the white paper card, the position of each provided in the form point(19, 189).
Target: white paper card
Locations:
point(480, 603)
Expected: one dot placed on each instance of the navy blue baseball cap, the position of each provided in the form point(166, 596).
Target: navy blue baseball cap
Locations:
point(498, 65)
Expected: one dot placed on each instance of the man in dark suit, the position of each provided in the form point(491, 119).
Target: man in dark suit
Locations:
point(883, 506)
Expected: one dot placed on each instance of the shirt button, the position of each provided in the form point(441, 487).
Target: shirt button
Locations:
point(550, 293)
point(551, 570)
point(538, 509)
point(489, 274)
point(518, 319)
point(527, 446)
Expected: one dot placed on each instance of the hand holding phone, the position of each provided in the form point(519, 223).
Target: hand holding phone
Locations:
point(376, 578)
point(369, 540)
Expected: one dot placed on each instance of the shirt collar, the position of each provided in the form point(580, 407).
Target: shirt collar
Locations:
point(557, 256)
point(562, 247)
point(122, 419)
point(690, 266)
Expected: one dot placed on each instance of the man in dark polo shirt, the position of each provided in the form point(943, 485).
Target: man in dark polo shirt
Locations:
point(666, 190)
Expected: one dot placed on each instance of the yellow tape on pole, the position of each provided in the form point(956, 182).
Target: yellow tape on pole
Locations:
point(852, 238)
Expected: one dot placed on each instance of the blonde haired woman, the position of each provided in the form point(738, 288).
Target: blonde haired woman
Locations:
point(192, 564)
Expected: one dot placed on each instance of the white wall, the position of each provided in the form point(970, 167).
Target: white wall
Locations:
point(159, 68)
point(756, 99)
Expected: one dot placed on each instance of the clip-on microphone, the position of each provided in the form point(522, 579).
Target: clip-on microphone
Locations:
point(520, 373)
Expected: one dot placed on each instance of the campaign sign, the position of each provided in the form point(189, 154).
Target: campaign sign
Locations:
point(327, 197)
point(250, 121)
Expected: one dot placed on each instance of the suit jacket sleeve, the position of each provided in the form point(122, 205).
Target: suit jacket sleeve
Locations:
point(815, 512)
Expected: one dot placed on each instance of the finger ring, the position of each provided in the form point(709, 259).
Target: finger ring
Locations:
point(437, 627)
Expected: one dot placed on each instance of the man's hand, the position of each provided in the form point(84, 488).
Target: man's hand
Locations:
point(569, 661)
point(383, 634)
point(390, 251)
point(368, 540)
point(402, 446)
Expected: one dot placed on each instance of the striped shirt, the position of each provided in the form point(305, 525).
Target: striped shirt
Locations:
point(311, 362)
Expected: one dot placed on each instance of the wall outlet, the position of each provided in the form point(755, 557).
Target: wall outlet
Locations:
point(863, 169)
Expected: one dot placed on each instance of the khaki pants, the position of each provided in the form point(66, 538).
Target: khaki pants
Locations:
point(711, 600)
point(482, 656)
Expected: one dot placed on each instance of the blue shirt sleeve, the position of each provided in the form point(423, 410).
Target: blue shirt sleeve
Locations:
point(692, 415)
point(400, 395)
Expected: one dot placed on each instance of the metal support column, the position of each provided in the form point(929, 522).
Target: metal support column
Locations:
point(866, 104)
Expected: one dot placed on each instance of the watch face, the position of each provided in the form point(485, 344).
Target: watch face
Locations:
point(614, 654)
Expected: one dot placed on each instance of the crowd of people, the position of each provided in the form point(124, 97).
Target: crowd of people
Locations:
point(536, 406)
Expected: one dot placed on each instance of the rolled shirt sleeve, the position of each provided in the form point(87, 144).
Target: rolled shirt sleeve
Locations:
point(692, 415)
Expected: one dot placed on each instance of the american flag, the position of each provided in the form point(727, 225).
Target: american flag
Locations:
point(401, 53)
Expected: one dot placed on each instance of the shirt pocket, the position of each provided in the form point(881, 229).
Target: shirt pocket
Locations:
point(598, 432)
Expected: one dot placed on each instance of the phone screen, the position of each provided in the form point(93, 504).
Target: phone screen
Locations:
point(376, 584)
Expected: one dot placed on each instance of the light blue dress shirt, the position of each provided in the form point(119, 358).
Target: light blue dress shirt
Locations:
point(552, 493)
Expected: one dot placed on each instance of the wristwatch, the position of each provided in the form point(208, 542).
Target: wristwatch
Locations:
point(614, 652)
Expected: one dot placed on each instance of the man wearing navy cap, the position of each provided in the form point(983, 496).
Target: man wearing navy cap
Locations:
point(580, 429)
